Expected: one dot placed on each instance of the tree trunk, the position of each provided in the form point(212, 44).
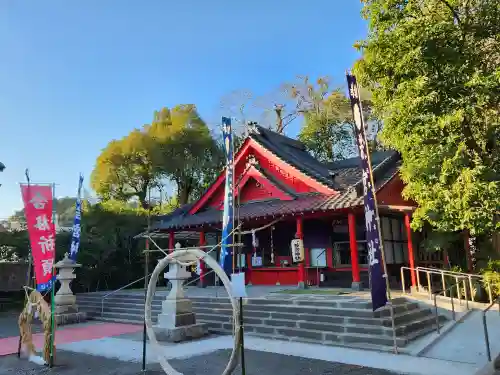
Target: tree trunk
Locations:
point(183, 192)
point(142, 199)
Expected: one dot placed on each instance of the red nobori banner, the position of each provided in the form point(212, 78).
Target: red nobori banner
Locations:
point(38, 203)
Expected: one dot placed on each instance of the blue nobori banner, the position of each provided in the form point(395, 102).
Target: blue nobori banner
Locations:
point(75, 239)
point(226, 255)
point(378, 284)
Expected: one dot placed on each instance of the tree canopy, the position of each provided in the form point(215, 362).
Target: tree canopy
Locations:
point(328, 128)
point(434, 69)
point(184, 150)
point(124, 169)
point(176, 147)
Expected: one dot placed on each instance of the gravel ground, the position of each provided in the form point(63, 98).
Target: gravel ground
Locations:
point(257, 363)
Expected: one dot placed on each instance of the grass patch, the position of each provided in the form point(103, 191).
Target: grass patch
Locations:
point(330, 292)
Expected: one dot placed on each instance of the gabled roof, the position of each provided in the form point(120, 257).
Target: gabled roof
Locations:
point(347, 182)
point(293, 152)
point(339, 175)
point(281, 148)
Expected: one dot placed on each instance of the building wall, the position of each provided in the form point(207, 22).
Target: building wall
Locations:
point(391, 194)
point(12, 276)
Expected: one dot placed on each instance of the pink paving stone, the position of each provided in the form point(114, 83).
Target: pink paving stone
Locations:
point(73, 334)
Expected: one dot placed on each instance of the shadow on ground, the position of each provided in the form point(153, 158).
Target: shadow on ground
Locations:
point(257, 363)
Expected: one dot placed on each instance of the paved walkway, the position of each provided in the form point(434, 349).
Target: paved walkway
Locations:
point(257, 363)
point(68, 334)
point(465, 342)
point(130, 349)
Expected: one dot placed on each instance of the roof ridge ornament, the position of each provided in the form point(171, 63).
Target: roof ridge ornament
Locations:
point(251, 161)
point(252, 127)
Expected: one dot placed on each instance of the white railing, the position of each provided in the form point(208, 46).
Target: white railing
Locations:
point(457, 276)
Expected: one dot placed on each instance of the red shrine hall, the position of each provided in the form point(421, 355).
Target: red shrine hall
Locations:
point(282, 193)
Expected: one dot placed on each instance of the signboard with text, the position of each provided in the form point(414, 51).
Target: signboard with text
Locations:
point(38, 203)
point(297, 250)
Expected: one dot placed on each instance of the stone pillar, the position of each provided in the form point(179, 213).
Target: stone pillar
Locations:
point(356, 280)
point(66, 309)
point(177, 322)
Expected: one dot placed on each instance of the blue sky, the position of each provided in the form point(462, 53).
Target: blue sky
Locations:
point(76, 74)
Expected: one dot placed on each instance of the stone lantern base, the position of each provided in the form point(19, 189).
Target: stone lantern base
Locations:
point(177, 322)
point(66, 309)
point(70, 318)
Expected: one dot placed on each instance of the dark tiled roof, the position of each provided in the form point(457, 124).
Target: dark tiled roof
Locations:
point(269, 208)
point(347, 172)
point(294, 153)
point(275, 207)
point(347, 182)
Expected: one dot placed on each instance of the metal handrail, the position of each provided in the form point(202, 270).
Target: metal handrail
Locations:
point(452, 304)
point(468, 275)
point(117, 290)
point(434, 271)
point(485, 326)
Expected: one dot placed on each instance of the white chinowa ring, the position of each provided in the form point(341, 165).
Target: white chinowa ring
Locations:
point(209, 261)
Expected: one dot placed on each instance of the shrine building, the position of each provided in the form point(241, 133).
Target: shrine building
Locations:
point(283, 193)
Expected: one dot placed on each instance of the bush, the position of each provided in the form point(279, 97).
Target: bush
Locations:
point(491, 276)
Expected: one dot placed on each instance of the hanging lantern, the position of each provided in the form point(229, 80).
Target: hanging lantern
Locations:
point(255, 240)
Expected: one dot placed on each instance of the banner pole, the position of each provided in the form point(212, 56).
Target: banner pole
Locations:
point(357, 110)
point(146, 283)
point(382, 253)
point(52, 296)
point(28, 272)
point(28, 283)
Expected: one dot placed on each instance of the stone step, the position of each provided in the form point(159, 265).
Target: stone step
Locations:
point(339, 321)
point(351, 312)
point(278, 332)
point(325, 323)
point(364, 345)
point(337, 303)
point(139, 308)
point(317, 336)
point(368, 346)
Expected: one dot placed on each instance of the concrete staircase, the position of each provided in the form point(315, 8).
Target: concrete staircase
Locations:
point(339, 321)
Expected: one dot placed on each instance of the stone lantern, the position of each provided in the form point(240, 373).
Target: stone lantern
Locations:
point(66, 309)
point(177, 321)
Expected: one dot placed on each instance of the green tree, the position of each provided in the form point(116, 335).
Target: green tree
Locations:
point(65, 212)
point(328, 129)
point(434, 69)
point(184, 152)
point(124, 169)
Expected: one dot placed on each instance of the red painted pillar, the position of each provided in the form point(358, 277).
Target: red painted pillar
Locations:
point(411, 254)
point(351, 222)
point(249, 270)
point(302, 271)
point(202, 263)
point(171, 241)
point(329, 257)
